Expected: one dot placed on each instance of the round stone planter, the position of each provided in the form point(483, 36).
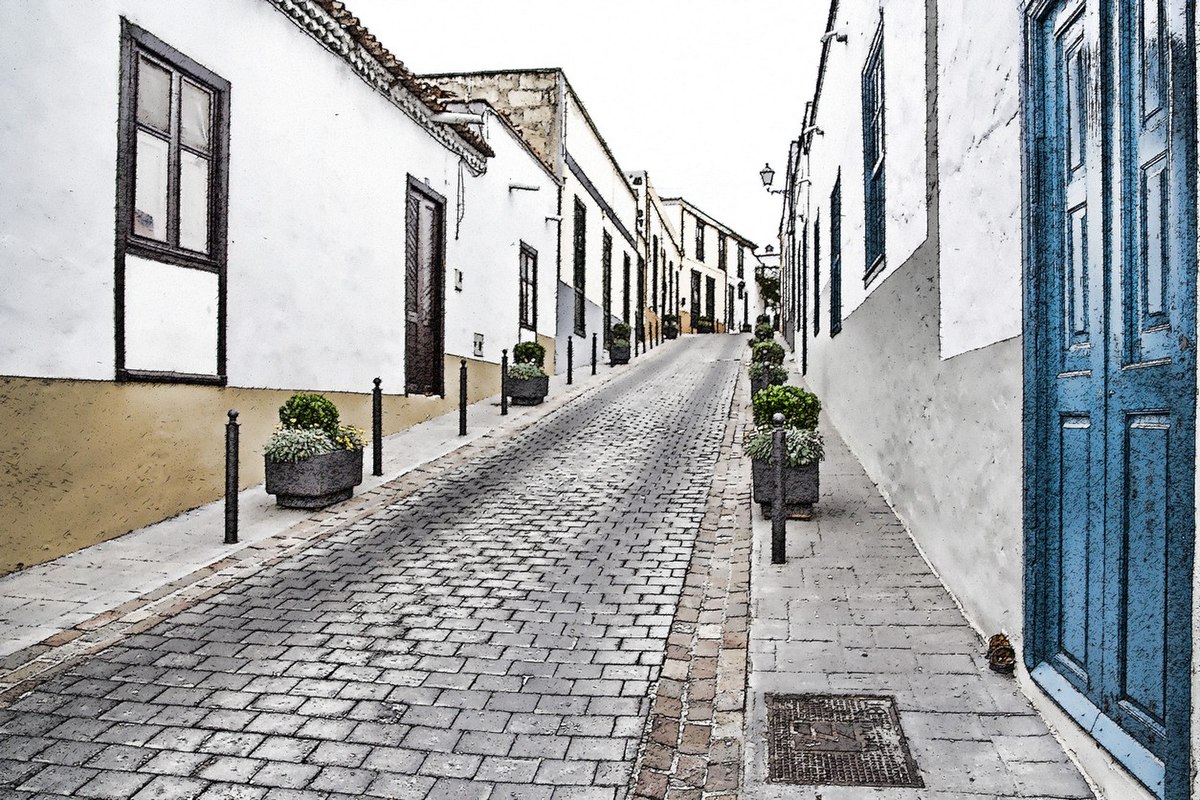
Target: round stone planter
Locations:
point(619, 354)
point(315, 482)
point(801, 488)
point(528, 391)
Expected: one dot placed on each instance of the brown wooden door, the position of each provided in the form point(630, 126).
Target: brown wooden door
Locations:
point(423, 301)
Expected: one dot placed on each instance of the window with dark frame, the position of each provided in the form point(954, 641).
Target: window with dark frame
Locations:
point(579, 234)
point(741, 273)
point(874, 151)
point(699, 240)
point(723, 253)
point(626, 277)
point(654, 273)
point(816, 292)
point(835, 257)
point(606, 276)
point(172, 178)
point(528, 300)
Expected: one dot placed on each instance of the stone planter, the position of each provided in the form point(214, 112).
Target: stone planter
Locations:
point(315, 482)
point(801, 488)
point(618, 354)
point(528, 391)
point(758, 384)
point(670, 333)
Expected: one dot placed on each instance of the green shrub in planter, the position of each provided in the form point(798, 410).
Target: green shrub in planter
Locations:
point(620, 333)
point(764, 332)
point(767, 353)
point(524, 371)
point(308, 411)
point(801, 447)
point(704, 325)
point(800, 409)
point(771, 373)
point(529, 353)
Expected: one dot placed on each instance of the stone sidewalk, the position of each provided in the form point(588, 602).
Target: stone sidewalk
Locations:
point(857, 610)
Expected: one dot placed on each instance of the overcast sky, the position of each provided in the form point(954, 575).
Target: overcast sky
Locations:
point(698, 93)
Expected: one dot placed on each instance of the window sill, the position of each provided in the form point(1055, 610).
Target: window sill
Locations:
point(154, 376)
point(873, 271)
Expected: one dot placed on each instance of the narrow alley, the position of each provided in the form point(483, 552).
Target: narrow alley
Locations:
point(494, 634)
point(564, 615)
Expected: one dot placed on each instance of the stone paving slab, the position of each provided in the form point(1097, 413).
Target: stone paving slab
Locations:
point(54, 612)
point(489, 625)
point(857, 610)
point(47, 599)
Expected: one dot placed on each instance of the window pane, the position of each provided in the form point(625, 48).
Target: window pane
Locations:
point(193, 202)
point(150, 188)
point(195, 116)
point(153, 95)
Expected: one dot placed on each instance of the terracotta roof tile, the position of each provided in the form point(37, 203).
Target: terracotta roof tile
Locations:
point(429, 95)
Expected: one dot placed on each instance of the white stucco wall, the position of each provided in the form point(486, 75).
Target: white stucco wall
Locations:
point(840, 145)
point(979, 169)
point(317, 191)
point(495, 222)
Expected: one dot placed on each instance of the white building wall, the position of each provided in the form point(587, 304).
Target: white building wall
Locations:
point(318, 185)
point(495, 222)
point(840, 144)
point(979, 173)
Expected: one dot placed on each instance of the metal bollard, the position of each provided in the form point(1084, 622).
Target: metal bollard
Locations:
point(778, 513)
point(594, 335)
point(503, 383)
point(377, 429)
point(462, 397)
point(231, 478)
point(571, 360)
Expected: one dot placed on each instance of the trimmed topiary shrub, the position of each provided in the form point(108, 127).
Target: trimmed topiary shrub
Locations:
point(763, 332)
point(529, 353)
point(307, 411)
point(767, 353)
point(800, 409)
point(620, 333)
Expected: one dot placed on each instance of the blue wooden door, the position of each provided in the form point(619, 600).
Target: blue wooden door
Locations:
point(1111, 378)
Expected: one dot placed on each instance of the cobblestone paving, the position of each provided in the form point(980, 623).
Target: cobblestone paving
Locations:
point(694, 742)
point(494, 632)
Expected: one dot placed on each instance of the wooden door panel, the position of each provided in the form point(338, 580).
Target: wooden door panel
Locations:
point(1144, 566)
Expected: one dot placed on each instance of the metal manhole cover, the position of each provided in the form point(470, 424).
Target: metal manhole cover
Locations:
point(837, 740)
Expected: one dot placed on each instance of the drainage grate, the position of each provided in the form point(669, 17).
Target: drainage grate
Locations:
point(839, 740)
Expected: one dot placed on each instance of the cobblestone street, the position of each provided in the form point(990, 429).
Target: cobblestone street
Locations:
point(493, 629)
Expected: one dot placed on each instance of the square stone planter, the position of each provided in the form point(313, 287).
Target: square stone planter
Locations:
point(801, 488)
point(315, 482)
point(618, 354)
point(758, 384)
point(670, 333)
point(528, 391)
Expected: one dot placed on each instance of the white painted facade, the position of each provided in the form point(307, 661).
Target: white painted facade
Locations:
point(925, 379)
point(316, 221)
point(704, 259)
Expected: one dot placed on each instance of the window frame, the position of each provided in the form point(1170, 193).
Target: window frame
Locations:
point(137, 42)
point(579, 266)
point(700, 239)
point(835, 257)
point(874, 141)
point(741, 261)
point(528, 292)
point(816, 293)
point(723, 252)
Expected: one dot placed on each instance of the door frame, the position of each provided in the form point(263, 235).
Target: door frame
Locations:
point(419, 188)
point(1174, 773)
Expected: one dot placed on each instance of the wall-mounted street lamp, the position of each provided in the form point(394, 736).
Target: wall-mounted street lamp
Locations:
point(838, 35)
point(768, 175)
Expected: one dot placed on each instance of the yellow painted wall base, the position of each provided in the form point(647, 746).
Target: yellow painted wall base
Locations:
point(86, 461)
